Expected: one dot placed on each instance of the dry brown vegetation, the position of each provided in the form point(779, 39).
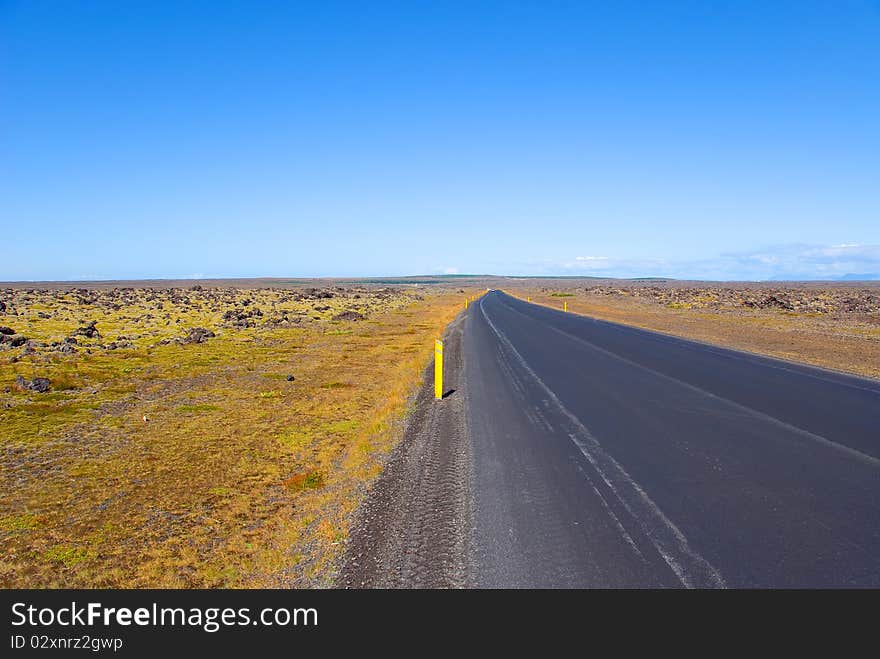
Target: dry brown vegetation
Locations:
point(836, 327)
point(173, 448)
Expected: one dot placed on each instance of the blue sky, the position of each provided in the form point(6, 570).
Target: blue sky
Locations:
point(729, 140)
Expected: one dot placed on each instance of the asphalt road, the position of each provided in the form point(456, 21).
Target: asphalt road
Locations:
point(607, 456)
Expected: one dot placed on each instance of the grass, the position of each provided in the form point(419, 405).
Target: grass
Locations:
point(308, 480)
point(187, 409)
point(168, 465)
point(68, 555)
point(24, 522)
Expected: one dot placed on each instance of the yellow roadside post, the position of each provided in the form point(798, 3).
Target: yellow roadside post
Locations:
point(465, 303)
point(529, 299)
point(438, 369)
point(565, 306)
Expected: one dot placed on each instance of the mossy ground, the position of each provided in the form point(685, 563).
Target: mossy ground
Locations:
point(200, 465)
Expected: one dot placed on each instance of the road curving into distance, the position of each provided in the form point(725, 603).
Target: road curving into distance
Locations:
point(609, 456)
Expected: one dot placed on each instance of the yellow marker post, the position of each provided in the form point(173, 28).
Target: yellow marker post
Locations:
point(465, 303)
point(565, 306)
point(438, 369)
point(528, 299)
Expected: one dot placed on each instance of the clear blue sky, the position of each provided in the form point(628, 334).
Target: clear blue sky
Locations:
point(690, 139)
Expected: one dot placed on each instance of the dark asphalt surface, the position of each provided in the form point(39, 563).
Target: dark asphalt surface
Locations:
point(607, 456)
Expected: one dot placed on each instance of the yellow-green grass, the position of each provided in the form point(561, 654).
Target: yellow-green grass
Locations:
point(201, 465)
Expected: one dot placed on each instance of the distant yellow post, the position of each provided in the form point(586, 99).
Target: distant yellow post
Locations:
point(565, 306)
point(528, 299)
point(465, 303)
point(438, 369)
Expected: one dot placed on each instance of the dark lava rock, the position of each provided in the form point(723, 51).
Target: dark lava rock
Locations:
point(349, 315)
point(198, 335)
point(777, 301)
point(236, 318)
point(90, 331)
point(39, 385)
point(14, 340)
point(6, 330)
point(290, 378)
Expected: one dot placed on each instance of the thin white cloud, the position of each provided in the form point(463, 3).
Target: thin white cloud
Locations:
point(847, 260)
point(792, 261)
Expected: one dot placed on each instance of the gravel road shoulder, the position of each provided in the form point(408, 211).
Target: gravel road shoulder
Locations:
point(414, 529)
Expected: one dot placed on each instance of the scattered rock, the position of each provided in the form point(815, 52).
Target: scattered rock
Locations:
point(6, 330)
point(290, 378)
point(779, 301)
point(89, 331)
point(39, 385)
point(241, 319)
point(799, 299)
point(118, 343)
point(198, 335)
point(349, 315)
point(13, 340)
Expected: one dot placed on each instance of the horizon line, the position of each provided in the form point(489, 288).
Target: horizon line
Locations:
point(382, 278)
